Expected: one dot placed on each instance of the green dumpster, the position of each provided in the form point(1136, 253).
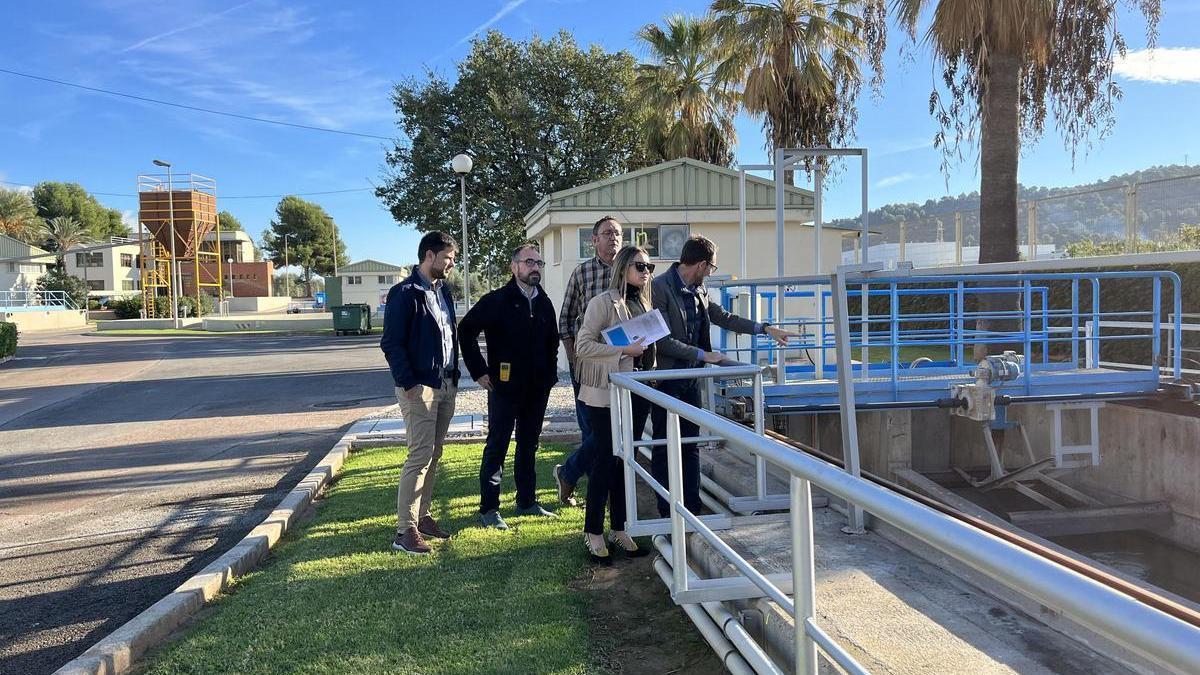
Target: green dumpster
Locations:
point(353, 318)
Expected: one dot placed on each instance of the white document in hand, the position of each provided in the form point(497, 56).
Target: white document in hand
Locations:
point(647, 327)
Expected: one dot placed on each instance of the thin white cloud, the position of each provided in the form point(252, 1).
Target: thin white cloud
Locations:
point(898, 147)
point(1170, 65)
point(896, 179)
point(504, 11)
point(191, 26)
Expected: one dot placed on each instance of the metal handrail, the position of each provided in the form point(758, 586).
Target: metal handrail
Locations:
point(36, 298)
point(1149, 632)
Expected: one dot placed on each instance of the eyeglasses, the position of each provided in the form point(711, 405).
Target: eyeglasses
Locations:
point(611, 234)
point(534, 262)
point(712, 269)
point(643, 266)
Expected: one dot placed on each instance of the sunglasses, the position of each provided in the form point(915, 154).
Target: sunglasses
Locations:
point(643, 266)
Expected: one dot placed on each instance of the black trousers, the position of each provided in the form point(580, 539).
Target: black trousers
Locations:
point(688, 392)
point(606, 483)
point(524, 408)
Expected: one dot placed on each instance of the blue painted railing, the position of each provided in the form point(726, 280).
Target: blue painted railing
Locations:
point(1050, 337)
point(27, 301)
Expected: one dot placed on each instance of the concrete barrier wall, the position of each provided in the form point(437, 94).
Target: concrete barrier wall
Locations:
point(45, 320)
point(295, 322)
point(1145, 455)
point(144, 324)
point(259, 305)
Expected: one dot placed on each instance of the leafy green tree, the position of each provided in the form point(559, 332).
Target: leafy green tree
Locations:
point(64, 233)
point(53, 200)
point(229, 222)
point(689, 112)
point(57, 280)
point(18, 217)
point(312, 241)
point(536, 116)
point(796, 62)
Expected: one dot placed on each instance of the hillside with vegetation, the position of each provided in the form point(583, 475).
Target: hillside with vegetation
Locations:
point(1089, 215)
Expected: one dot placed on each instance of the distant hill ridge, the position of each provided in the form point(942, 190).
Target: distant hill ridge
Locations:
point(1162, 208)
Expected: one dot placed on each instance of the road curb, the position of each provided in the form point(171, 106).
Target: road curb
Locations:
point(117, 652)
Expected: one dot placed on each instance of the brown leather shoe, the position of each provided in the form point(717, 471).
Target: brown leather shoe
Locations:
point(429, 527)
point(410, 541)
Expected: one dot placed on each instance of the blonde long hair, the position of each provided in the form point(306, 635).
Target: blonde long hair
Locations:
point(621, 264)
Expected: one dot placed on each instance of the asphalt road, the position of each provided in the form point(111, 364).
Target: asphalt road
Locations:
point(128, 464)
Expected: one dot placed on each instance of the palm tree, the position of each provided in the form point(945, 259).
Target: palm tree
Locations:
point(797, 64)
point(1005, 63)
point(64, 233)
point(18, 217)
point(689, 113)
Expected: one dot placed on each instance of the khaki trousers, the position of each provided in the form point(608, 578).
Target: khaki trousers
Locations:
point(425, 421)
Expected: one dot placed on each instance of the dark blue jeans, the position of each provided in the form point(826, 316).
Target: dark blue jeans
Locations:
point(525, 410)
point(580, 462)
point(688, 392)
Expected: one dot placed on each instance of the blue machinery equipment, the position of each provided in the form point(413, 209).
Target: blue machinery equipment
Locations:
point(918, 333)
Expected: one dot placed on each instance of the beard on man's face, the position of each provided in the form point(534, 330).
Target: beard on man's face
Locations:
point(531, 279)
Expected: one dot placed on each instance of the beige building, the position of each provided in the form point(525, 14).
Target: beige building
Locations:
point(21, 275)
point(366, 282)
point(235, 244)
point(107, 271)
point(660, 206)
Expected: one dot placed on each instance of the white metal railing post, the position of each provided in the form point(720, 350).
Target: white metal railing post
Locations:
point(628, 454)
point(841, 327)
point(803, 575)
point(1089, 349)
point(675, 485)
point(760, 464)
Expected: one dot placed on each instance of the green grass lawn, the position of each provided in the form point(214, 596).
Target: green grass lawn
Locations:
point(333, 598)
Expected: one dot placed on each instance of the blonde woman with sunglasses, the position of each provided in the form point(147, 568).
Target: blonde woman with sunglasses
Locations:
point(628, 296)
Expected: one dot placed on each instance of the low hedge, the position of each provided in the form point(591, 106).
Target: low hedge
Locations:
point(8, 339)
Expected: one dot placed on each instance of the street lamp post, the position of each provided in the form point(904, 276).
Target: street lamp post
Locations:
point(176, 291)
point(287, 281)
point(462, 164)
point(229, 260)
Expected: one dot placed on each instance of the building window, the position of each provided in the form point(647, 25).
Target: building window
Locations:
point(384, 280)
point(126, 260)
point(354, 280)
point(97, 285)
point(92, 259)
point(12, 268)
point(662, 242)
point(129, 284)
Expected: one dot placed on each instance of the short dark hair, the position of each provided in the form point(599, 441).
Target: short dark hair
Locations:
point(697, 249)
point(436, 241)
point(596, 227)
point(529, 244)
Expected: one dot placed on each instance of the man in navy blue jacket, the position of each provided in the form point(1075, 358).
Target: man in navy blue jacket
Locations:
point(421, 347)
point(519, 325)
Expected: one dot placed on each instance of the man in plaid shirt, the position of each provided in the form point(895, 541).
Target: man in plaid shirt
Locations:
point(587, 281)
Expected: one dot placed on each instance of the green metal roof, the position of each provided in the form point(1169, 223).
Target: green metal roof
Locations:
point(673, 185)
point(13, 248)
point(370, 266)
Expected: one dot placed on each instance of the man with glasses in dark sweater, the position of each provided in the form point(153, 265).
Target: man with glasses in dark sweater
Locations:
point(521, 367)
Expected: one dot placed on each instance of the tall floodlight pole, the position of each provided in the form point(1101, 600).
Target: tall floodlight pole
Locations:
point(176, 291)
point(462, 164)
point(287, 281)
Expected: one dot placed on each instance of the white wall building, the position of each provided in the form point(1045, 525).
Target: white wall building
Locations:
point(107, 271)
point(937, 253)
point(21, 275)
point(366, 282)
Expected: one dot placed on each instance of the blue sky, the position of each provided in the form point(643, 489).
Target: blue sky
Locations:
point(333, 64)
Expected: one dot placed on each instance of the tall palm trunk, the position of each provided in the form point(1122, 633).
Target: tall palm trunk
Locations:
point(1000, 148)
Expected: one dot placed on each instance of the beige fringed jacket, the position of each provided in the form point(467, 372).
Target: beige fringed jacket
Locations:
point(595, 358)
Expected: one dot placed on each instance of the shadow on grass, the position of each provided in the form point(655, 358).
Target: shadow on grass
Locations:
point(334, 598)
